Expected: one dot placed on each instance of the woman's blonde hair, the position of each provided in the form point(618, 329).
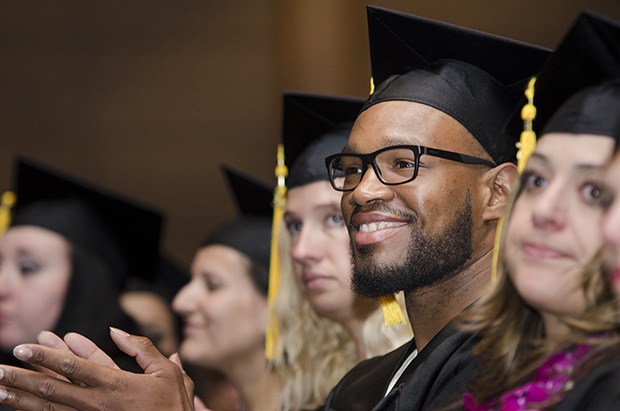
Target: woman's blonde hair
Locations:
point(314, 352)
point(513, 345)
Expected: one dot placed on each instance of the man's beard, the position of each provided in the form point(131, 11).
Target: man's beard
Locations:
point(428, 260)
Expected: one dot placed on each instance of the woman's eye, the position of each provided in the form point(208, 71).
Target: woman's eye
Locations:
point(592, 193)
point(29, 267)
point(607, 198)
point(294, 227)
point(335, 219)
point(212, 284)
point(532, 181)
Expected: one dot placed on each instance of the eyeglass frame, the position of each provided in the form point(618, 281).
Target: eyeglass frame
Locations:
point(418, 151)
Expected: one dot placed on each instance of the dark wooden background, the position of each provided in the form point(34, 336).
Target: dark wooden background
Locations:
point(149, 97)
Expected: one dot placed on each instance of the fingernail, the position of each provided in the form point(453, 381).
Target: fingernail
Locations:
point(119, 332)
point(3, 393)
point(45, 338)
point(22, 352)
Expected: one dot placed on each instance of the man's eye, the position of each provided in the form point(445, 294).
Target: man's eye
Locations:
point(404, 164)
point(351, 170)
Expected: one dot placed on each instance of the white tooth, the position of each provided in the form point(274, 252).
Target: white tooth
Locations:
point(364, 228)
point(383, 225)
point(372, 227)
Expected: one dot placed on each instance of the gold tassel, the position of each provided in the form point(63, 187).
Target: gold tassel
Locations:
point(392, 314)
point(527, 142)
point(279, 200)
point(526, 145)
point(498, 236)
point(6, 203)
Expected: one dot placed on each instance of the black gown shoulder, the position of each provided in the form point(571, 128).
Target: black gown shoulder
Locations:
point(365, 385)
point(598, 391)
point(438, 376)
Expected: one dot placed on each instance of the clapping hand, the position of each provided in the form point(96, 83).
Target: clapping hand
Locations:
point(75, 374)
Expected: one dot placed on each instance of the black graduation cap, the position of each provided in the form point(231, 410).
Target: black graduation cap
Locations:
point(313, 127)
point(578, 90)
point(250, 231)
point(474, 77)
point(120, 231)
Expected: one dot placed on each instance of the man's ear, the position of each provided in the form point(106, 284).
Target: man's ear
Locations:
point(499, 183)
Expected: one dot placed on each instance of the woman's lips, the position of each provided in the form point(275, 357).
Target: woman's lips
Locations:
point(314, 281)
point(4, 317)
point(190, 328)
point(542, 251)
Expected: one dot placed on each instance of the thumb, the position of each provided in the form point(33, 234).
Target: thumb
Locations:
point(199, 405)
point(187, 381)
point(177, 360)
point(142, 349)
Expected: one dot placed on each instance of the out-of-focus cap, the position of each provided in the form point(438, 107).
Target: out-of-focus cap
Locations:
point(313, 127)
point(577, 89)
point(250, 231)
point(121, 231)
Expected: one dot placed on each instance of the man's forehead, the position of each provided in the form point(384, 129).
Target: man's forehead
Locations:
point(393, 123)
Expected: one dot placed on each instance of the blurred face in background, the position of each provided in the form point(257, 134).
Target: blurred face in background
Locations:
point(154, 318)
point(554, 230)
point(320, 249)
point(35, 268)
point(224, 314)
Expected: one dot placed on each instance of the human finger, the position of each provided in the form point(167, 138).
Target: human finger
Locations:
point(187, 381)
point(66, 364)
point(27, 389)
point(51, 340)
point(22, 400)
point(155, 364)
point(149, 358)
point(199, 405)
point(87, 349)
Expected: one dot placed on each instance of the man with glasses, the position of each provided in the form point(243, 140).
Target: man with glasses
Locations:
point(425, 176)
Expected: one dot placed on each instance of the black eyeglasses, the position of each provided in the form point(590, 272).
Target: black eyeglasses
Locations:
point(393, 165)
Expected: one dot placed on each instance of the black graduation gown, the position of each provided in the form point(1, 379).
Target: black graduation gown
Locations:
point(437, 376)
point(598, 391)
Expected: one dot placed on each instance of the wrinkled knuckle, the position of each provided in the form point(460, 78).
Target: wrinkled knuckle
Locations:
point(46, 388)
point(10, 377)
point(16, 401)
point(100, 406)
point(47, 406)
point(144, 342)
point(171, 367)
point(38, 356)
point(68, 365)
